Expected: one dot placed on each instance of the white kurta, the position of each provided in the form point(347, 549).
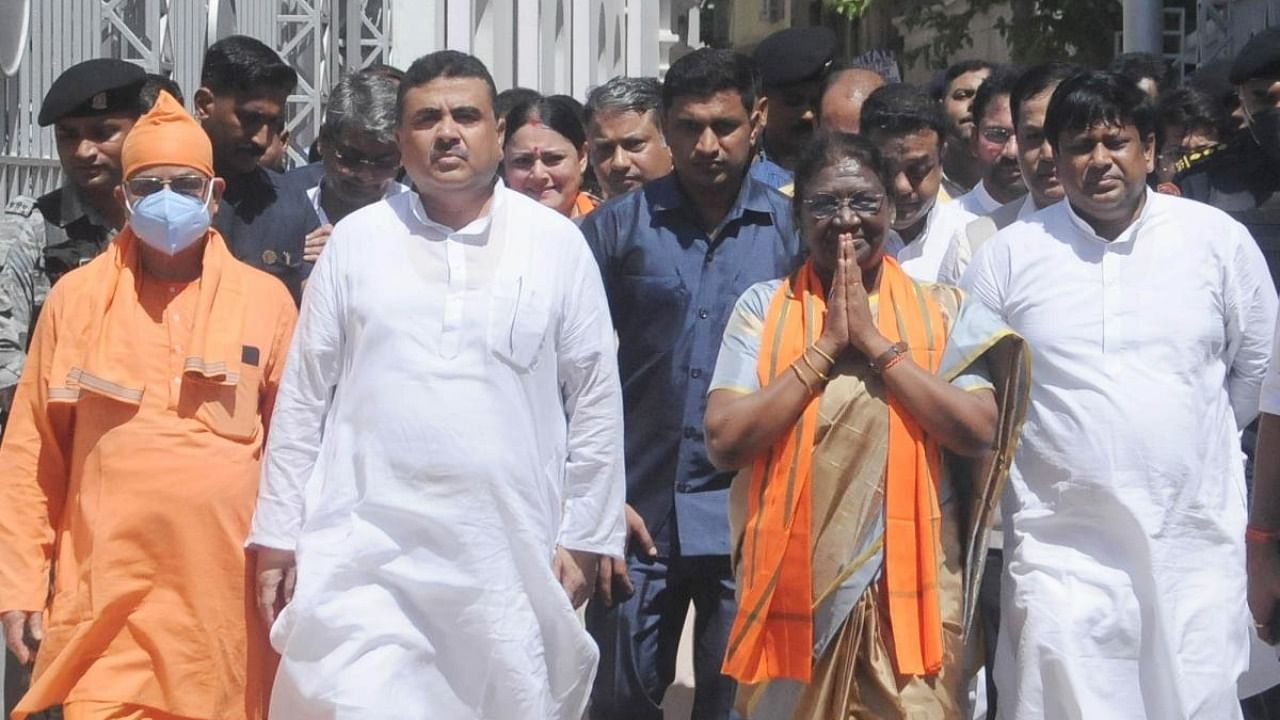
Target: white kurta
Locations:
point(450, 412)
point(960, 253)
point(922, 257)
point(1124, 588)
point(978, 201)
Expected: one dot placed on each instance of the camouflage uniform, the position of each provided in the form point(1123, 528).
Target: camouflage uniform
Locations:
point(40, 241)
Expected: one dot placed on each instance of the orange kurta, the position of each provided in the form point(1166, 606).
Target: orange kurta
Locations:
point(144, 507)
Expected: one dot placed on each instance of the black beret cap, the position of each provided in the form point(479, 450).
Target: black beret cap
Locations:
point(1259, 58)
point(93, 87)
point(794, 55)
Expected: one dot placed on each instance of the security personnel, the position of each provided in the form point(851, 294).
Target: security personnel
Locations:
point(244, 88)
point(92, 107)
point(1244, 179)
point(791, 65)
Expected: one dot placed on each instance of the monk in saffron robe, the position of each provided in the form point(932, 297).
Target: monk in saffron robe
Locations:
point(129, 468)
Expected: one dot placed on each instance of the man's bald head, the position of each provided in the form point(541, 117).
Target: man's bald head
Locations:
point(840, 109)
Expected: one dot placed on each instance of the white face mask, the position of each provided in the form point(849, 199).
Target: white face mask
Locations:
point(168, 221)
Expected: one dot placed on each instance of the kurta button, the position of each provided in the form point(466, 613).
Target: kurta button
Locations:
point(704, 314)
point(695, 373)
point(689, 432)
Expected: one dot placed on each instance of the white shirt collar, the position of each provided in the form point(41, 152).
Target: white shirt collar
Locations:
point(313, 194)
point(1127, 235)
point(475, 228)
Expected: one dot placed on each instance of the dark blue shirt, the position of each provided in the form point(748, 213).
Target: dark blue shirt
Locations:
point(771, 173)
point(265, 221)
point(671, 289)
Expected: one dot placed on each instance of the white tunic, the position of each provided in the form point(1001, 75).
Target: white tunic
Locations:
point(1124, 592)
point(450, 412)
point(960, 253)
point(922, 257)
point(978, 201)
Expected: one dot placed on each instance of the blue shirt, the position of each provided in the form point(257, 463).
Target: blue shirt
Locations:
point(265, 221)
point(771, 173)
point(671, 289)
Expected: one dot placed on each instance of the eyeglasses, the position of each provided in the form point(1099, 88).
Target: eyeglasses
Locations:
point(355, 161)
point(824, 207)
point(997, 135)
point(193, 185)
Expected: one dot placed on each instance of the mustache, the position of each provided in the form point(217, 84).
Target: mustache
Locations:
point(456, 151)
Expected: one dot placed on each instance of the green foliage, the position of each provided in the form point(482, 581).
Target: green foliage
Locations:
point(851, 9)
point(1036, 30)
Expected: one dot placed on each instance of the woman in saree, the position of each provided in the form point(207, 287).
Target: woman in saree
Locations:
point(848, 395)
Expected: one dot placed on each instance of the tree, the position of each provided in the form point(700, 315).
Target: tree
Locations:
point(1082, 31)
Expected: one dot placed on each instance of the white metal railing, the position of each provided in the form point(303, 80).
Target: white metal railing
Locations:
point(556, 46)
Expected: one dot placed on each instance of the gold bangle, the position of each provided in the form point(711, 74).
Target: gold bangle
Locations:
point(825, 356)
point(805, 359)
point(800, 377)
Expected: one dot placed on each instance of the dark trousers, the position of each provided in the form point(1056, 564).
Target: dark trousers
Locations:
point(989, 616)
point(638, 639)
point(16, 679)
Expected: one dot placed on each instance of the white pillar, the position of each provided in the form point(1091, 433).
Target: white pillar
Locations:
point(1143, 26)
point(459, 25)
point(528, 34)
point(417, 28)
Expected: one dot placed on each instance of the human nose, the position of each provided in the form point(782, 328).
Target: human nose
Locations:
point(1010, 148)
point(86, 149)
point(621, 160)
point(1098, 157)
point(902, 186)
point(708, 144)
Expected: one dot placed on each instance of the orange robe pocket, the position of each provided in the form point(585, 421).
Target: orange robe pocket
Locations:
point(228, 410)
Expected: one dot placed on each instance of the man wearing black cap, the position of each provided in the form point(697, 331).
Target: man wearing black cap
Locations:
point(92, 107)
point(791, 64)
point(244, 87)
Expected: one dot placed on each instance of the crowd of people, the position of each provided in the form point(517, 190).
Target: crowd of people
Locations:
point(889, 385)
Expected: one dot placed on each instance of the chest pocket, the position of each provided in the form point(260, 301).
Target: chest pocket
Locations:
point(519, 320)
point(230, 411)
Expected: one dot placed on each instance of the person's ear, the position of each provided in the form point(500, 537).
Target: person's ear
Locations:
point(1149, 152)
point(582, 159)
point(203, 103)
point(759, 116)
point(502, 131)
point(216, 187)
point(118, 194)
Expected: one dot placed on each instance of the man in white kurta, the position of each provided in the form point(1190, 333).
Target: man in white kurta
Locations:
point(450, 422)
point(1123, 595)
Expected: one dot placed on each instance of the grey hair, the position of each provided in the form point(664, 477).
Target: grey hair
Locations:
point(625, 94)
point(364, 103)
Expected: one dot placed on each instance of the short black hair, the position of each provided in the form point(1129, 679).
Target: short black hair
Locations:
point(829, 148)
point(446, 64)
point(243, 65)
point(1037, 79)
point(902, 109)
point(556, 112)
point(1093, 98)
point(707, 71)
point(956, 70)
point(151, 88)
point(1138, 66)
point(511, 97)
point(998, 84)
point(1191, 108)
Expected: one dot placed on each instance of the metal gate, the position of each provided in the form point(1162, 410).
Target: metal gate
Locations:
point(564, 46)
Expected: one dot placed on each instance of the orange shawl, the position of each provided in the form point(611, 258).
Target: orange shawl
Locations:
point(90, 357)
point(772, 635)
